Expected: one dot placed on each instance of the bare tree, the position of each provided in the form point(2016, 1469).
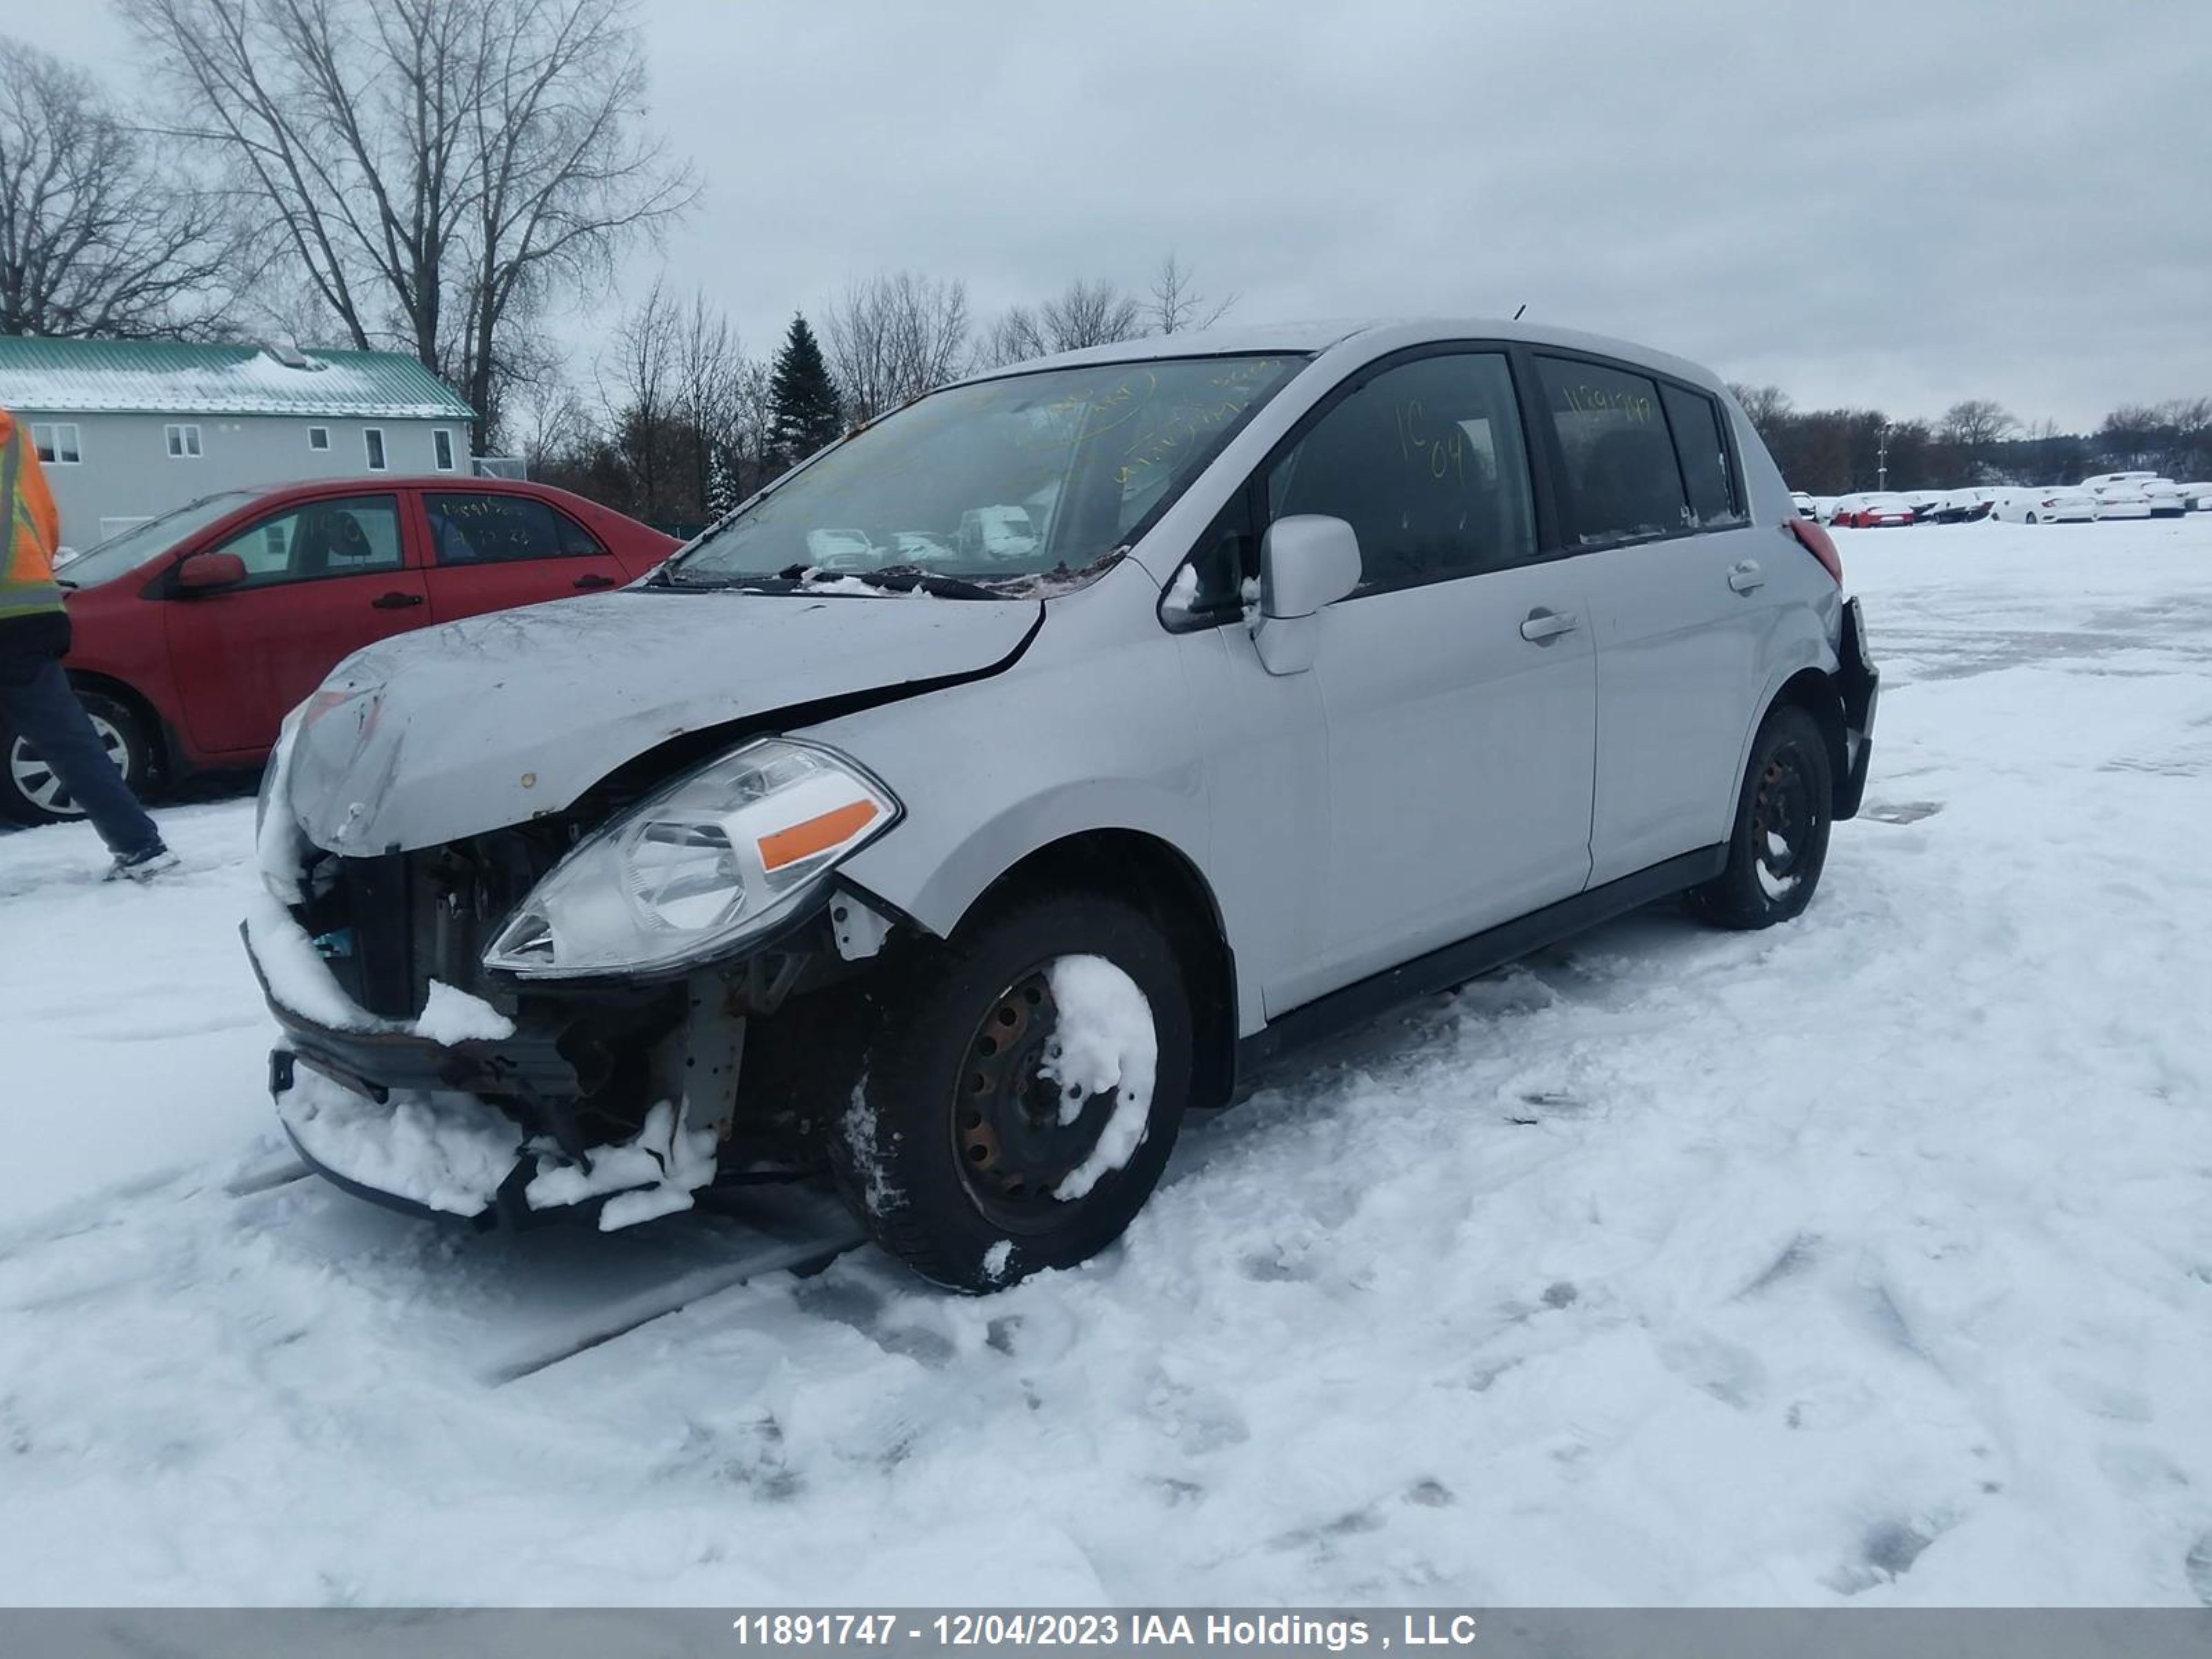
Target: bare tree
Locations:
point(1088, 314)
point(1016, 337)
point(435, 169)
point(1975, 423)
point(548, 420)
point(640, 390)
point(893, 338)
point(1176, 307)
point(1767, 406)
point(707, 369)
point(1084, 313)
point(92, 239)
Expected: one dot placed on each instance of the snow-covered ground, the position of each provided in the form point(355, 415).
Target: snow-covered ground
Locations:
point(1870, 1258)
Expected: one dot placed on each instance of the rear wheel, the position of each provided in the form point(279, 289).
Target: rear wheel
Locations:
point(1779, 844)
point(31, 794)
point(1022, 1094)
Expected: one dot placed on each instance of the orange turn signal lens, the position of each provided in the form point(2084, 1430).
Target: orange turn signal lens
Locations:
point(816, 835)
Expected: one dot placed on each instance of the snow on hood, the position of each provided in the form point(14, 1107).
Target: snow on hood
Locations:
point(487, 722)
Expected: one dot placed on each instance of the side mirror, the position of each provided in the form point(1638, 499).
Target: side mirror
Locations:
point(1307, 562)
point(204, 573)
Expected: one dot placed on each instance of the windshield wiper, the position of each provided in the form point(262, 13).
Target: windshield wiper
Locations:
point(906, 578)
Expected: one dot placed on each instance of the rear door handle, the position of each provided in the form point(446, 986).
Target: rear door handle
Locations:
point(396, 601)
point(587, 583)
point(1543, 625)
point(1746, 575)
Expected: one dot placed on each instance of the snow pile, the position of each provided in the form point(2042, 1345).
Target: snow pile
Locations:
point(448, 1152)
point(815, 582)
point(653, 1174)
point(299, 979)
point(297, 976)
point(451, 1016)
point(878, 1191)
point(1104, 1040)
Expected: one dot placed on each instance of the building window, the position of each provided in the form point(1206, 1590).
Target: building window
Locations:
point(57, 443)
point(441, 441)
point(318, 437)
point(373, 436)
point(183, 443)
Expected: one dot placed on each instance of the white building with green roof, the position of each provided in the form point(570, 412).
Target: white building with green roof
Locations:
point(129, 430)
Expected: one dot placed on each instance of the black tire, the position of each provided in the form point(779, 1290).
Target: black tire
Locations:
point(1787, 794)
point(947, 1143)
point(2030, 518)
point(30, 795)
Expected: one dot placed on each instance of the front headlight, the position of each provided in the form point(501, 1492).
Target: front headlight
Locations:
point(722, 854)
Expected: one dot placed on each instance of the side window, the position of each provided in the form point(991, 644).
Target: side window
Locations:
point(1701, 445)
point(1427, 463)
point(470, 529)
point(358, 535)
point(441, 446)
point(1622, 482)
point(318, 437)
point(373, 440)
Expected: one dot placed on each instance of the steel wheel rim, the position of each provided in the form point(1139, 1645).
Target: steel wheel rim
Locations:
point(36, 782)
point(1784, 809)
point(1009, 1147)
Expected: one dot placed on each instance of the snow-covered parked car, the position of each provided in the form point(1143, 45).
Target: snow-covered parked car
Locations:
point(1806, 507)
point(1873, 510)
point(2162, 498)
point(841, 550)
point(2197, 497)
point(1328, 682)
point(2121, 501)
point(2045, 504)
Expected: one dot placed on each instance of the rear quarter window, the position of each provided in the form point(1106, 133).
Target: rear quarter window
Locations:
point(1701, 446)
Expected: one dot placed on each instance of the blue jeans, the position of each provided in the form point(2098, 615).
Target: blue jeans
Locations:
point(36, 700)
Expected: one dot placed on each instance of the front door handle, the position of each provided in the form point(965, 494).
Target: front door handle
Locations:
point(1746, 575)
point(1544, 625)
point(587, 583)
point(396, 601)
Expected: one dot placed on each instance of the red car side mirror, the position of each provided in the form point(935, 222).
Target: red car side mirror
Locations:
point(203, 573)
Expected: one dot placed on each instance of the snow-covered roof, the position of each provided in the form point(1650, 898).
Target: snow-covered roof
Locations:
point(42, 376)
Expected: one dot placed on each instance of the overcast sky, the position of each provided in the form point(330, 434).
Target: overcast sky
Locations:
point(1895, 205)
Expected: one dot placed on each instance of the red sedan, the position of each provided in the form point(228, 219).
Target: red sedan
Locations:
point(197, 632)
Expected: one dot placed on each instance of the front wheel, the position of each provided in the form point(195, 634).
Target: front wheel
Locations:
point(1779, 843)
point(1022, 1093)
point(31, 794)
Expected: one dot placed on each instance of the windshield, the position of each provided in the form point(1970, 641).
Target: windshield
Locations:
point(120, 554)
point(996, 481)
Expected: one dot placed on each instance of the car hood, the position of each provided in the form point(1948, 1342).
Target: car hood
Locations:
point(487, 722)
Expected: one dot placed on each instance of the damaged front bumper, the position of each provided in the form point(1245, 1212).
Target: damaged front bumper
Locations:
point(413, 1122)
point(1860, 683)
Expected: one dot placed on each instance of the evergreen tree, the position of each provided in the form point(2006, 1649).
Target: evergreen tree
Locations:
point(803, 400)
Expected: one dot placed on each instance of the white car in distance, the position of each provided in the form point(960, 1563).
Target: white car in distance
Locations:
point(2046, 504)
point(2162, 497)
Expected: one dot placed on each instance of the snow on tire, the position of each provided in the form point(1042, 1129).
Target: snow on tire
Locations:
point(1022, 1093)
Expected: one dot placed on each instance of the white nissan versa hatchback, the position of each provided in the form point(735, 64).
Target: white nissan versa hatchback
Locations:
point(1170, 705)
